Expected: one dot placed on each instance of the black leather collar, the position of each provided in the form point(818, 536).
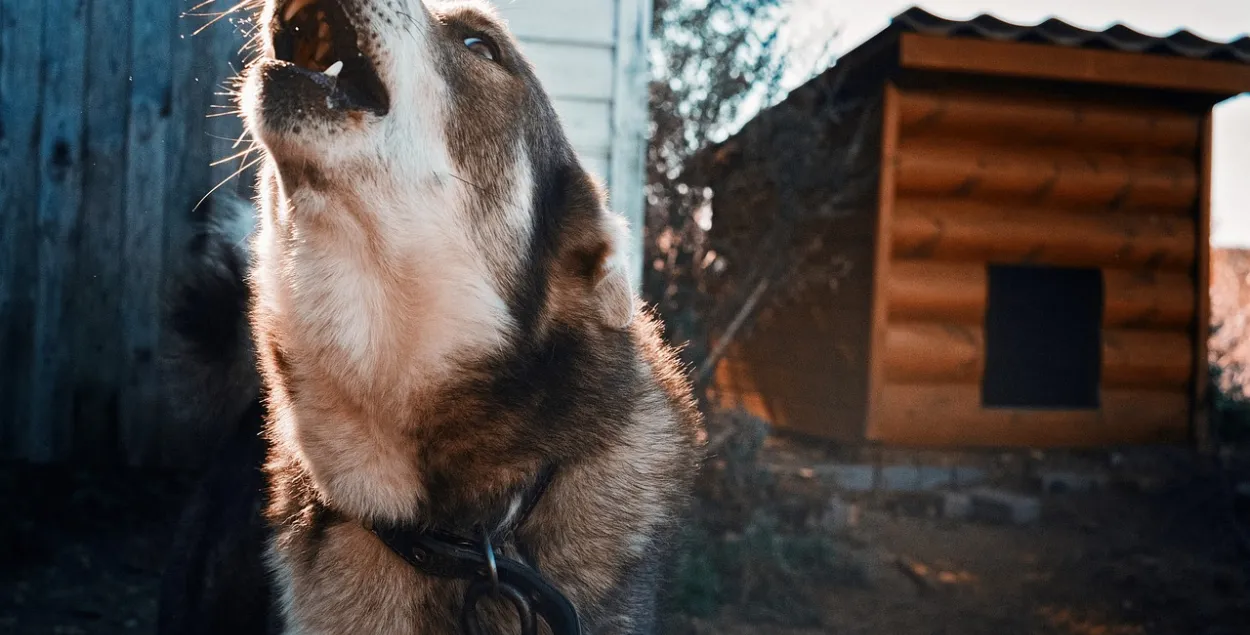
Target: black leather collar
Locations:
point(445, 554)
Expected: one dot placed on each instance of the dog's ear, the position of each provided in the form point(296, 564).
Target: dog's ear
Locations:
point(611, 290)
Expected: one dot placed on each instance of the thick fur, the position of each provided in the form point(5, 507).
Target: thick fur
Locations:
point(440, 310)
point(209, 363)
point(216, 561)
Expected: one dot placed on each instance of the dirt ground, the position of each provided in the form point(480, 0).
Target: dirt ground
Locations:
point(1160, 547)
point(81, 552)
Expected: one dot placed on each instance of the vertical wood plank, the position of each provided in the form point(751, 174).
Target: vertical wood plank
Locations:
point(227, 61)
point(627, 177)
point(880, 321)
point(21, 94)
point(60, 198)
point(194, 141)
point(96, 279)
point(1200, 410)
point(144, 214)
point(186, 178)
point(186, 146)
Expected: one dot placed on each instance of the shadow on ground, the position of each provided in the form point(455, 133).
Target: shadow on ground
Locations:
point(81, 552)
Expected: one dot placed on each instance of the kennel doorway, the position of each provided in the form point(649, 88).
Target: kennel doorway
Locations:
point(1043, 337)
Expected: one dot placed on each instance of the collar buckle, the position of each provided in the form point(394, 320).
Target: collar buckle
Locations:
point(491, 574)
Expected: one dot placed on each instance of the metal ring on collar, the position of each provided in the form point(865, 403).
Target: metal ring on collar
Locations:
point(470, 624)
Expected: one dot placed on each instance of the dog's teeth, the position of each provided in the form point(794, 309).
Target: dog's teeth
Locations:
point(335, 69)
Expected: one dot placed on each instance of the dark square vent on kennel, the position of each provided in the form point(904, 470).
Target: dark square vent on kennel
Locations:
point(1043, 335)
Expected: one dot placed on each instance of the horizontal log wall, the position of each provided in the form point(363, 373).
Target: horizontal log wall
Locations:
point(957, 292)
point(948, 353)
point(1055, 176)
point(944, 415)
point(998, 179)
point(967, 230)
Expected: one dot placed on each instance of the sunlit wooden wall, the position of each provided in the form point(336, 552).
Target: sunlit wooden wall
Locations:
point(977, 178)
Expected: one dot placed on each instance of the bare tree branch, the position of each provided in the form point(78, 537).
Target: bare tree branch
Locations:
point(722, 345)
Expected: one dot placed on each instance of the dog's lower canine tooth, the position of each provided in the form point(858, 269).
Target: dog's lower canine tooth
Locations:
point(335, 69)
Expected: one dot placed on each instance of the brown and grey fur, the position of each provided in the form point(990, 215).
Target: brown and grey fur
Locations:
point(441, 310)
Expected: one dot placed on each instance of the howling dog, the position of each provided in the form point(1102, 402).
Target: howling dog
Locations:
point(460, 398)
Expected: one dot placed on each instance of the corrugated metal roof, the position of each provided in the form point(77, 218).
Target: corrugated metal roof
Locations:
point(1054, 31)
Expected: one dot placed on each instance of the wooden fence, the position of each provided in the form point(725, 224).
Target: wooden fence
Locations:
point(107, 137)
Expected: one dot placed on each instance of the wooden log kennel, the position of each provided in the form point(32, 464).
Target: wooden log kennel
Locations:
point(1030, 264)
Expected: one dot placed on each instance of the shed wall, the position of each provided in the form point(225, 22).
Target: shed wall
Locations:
point(803, 365)
point(982, 179)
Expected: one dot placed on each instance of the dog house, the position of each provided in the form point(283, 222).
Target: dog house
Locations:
point(1022, 218)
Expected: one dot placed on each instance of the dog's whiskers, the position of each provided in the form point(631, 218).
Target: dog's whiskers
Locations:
point(413, 21)
point(233, 156)
point(481, 190)
point(243, 5)
point(242, 135)
point(229, 178)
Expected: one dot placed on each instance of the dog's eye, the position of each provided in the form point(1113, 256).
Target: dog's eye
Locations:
point(481, 46)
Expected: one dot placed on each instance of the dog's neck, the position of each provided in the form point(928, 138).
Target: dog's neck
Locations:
point(393, 305)
point(373, 316)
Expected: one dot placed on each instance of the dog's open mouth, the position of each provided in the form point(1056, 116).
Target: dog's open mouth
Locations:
point(318, 37)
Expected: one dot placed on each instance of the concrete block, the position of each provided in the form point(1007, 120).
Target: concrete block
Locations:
point(863, 477)
point(847, 477)
point(997, 506)
point(931, 477)
point(840, 515)
point(1064, 481)
point(921, 478)
point(956, 506)
point(968, 476)
point(900, 478)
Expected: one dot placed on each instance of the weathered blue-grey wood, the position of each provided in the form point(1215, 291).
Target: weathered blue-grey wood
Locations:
point(60, 201)
point(104, 149)
point(21, 81)
point(96, 281)
point(224, 132)
point(190, 153)
point(143, 247)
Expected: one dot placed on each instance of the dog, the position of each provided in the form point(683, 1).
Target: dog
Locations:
point(446, 338)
